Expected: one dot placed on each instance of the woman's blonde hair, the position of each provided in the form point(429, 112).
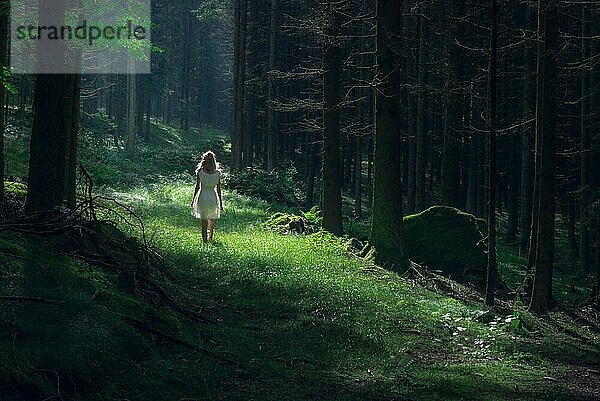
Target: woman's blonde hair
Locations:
point(208, 163)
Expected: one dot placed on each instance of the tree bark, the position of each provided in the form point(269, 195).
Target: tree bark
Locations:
point(312, 170)
point(527, 164)
point(131, 113)
point(271, 116)
point(411, 105)
point(186, 71)
point(72, 127)
point(239, 83)
point(451, 188)
point(541, 299)
point(4, 22)
point(491, 266)
point(149, 100)
point(586, 145)
point(387, 235)
point(358, 177)
point(513, 188)
point(421, 144)
point(46, 181)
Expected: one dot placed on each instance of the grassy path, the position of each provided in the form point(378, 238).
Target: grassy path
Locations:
point(307, 322)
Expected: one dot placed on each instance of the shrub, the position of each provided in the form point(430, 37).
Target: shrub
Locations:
point(280, 186)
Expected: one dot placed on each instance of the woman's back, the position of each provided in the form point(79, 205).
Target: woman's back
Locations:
point(209, 180)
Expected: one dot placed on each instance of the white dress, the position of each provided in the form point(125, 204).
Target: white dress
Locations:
point(206, 202)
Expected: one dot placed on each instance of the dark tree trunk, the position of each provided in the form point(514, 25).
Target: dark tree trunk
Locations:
point(132, 100)
point(482, 194)
point(312, 171)
point(527, 166)
point(541, 299)
point(571, 230)
point(387, 225)
point(254, 74)
point(331, 201)
point(186, 68)
point(514, 171)
point(46, 182)
point(370, 156)
point(148, 111)
point(451, 188)
point(4, 22)
point(491, 266)
point(271, 116)
point(473, 184)
point(586, 148)
point(358, 177)
point(239, 82)
point(597, 300)
point(421, 143)
point(411, 107)
point(72, 127)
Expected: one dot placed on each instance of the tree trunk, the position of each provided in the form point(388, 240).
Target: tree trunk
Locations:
point(370, 156)
point(358, 177)
point(186, 71)
point(597, 270)
point(331, 173)
point(541, 299)
point(513, 189)
point(411, 106)
point(239, 83)
point(387, 225)
point(473, 184)
point(421, 144)
point(131, 113)
point(527, 165)
point(586, 145)
point(451, 187)
point(271, 116)
point(491, 266)
point(571, 213)
point(46, 182)
point(149, 99)
point(4, 22)
point(72, 128)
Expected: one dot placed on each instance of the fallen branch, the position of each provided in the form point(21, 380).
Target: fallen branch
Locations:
point(174, 305)
point(23, 258)
point(32, 299)
point(138, 324)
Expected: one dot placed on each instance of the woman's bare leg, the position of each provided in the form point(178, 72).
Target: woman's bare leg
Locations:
point(211, 225)
point(204, 228)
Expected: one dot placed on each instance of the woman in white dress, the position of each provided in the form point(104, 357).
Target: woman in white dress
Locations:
point(207, 204)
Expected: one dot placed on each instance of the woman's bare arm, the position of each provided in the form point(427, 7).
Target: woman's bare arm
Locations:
point(219, 193)
point(197, 189)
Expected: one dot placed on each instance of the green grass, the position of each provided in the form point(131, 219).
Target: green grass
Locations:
point(298, 309)
point(304, 320)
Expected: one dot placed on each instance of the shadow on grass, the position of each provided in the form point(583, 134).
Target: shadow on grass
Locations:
point(306, 336)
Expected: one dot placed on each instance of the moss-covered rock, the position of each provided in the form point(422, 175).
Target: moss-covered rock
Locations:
point(287, 223)
point(447, 239)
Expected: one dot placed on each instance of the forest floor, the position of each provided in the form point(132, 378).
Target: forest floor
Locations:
point(301, 319)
